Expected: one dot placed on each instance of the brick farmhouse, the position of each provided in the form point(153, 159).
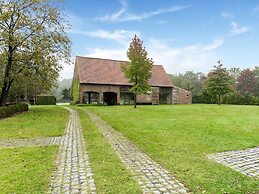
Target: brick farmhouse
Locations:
point(102, 81)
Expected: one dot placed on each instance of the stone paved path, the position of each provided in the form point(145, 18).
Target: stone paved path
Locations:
point(8, 143)
point(150, 175)
point(244, 161)
point(73, 173)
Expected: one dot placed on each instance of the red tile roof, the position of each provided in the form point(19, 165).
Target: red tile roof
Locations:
point(107, 71)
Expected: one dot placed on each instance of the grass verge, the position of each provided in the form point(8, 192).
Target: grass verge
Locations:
point(110, 174)
point(26, 169)
point(39, 121)
point(180, 138)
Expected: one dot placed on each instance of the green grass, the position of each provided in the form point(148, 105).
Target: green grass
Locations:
point(39, 121)
point(109, 173)
point(26, 169)
point(180, 137)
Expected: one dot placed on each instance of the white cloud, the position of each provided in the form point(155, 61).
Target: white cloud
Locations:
point(121, 36)
point(118, 54)
point(124, 15)
point(115, 16)
point(215, 44)
point(195, 57)
point(79, 25)
point(192, 57)
point(67, 71)
point(142, 16)
point(227, 15)
point(237, 29)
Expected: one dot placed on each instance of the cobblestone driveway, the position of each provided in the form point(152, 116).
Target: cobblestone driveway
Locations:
point(73, 173)
point(244, 161)
point(8, 143)
point(150, 175)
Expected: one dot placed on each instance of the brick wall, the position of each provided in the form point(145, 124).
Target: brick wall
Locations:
point(181, 96)
point(99, 89)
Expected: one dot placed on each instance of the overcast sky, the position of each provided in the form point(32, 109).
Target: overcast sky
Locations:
point(180, 35)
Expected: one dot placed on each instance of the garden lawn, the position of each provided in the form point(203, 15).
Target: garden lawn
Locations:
point(26, 169)
point(180, 137)
point(39, 121)
point(110, 174)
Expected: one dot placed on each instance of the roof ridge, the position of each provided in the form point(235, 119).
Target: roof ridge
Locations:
point(108, 59)
point(101, 58)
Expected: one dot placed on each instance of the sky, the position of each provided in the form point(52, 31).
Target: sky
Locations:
point(181, 35)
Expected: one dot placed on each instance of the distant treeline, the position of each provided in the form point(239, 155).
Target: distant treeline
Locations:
point(244, 85)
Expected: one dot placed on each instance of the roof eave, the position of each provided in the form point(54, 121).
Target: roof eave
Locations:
point(123, 84)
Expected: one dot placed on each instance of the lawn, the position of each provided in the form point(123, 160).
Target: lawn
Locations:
point(180, 137)
point(28, 169)
point(110, 174)
point(39, 121)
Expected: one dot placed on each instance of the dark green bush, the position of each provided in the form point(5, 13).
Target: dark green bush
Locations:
point(45, 100)
point(7, 111)
point(204, 98)
point(241, 99)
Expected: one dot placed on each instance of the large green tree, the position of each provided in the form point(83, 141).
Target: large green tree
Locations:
point(33, 42)
point(138, 70)
point(190, 81)
point(256, 70)
point(218, 82)
point(66, 94)
point(246, 82)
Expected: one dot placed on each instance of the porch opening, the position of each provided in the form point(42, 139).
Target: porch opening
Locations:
point(165, 96)
point(126, 97)
point(91, 97)
point(110, 98)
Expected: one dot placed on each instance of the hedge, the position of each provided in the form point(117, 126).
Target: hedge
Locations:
point(7, 111)
point(241, 99)
point(75, 91)
point(45, 100)
point(232, 98)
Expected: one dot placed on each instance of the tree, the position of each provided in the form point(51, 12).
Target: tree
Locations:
point(190, 81)
point(246, 82)
point(139, 69)
point(66, 94)
point(27, 87)
point(218, 82)
point(234, 72)
point(256, 71)
point(33, 41)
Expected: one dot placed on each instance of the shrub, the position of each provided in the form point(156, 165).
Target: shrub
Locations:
point(205, 97)
point(7, 111)
point(45, 100)
point(198, 99)
point(241, 99)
